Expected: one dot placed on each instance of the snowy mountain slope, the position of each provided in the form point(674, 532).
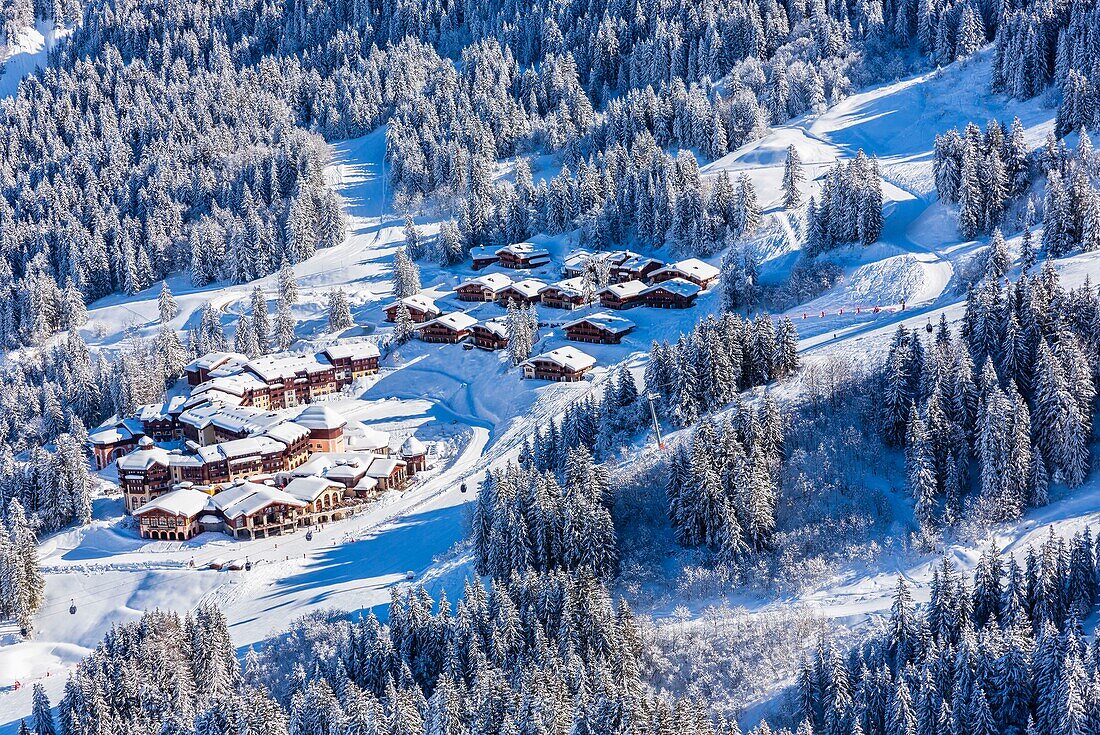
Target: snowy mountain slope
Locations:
point(26, 53)
point(352, 565)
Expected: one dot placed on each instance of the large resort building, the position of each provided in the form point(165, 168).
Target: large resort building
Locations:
point(254, 462)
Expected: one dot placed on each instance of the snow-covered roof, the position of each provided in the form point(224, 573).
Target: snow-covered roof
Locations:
point(320, 417)
point(352, 350)
point(412, 447)
point(638, 262)
point(309, 488)
point(491, 281)
point(528, 287)
point(569, 358)
point(235, 419)
point(185, 502)
point(162, 410)
point(497, 326)
point(577, 259)
point(456, 321)
point(692, 267)
point(627, 289)
point(333, 464)
point(285, 366)
point(384, 466)
point(212, 360)
point(234, 385)
point(359, 436)
point(214, 395)
point(145, 456)
point(419, 302)
point(525, 250)
point(252, 446)
point(483, 253)
point(248, 498)
point(287, 432)
point(610, 322)
point(677, 286)
point(121, 431)
point(569, 287)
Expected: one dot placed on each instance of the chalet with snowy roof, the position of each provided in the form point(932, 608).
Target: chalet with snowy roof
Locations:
point(217, 422)
point(452, 328)
point(252, 456)
point(174, 516)
point(622, 295)
point(421, 308)
point(324, 498)
point(572, 293)
point(326, 428)
point(292, 379)
point(675, 293)
point(415, 455)
point(389, 472)
point(483, 288)
point(491, 334)
point(602, 328)
point(160, 421)
point(634, 268)
point(701, 274)
point(352, 360)
point(483, 257)
point(523, 293)
point(108, 443)
point(577, 263)
point(565, 364)
point(199, 369)
point(359, 472)
point(361, 438)
point(143, 474)
point(242, 389)
point(522, 255)
point(258, 511)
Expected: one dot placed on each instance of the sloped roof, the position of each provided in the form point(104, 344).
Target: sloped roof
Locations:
point(183, 502)
point(611, 322)
point(626, 289)
point(692, 267)
point(285, 365)
point(353, 350)
point(144, 457)
point(309, 488)
point(212, 360)
point(418, 301)
point(528, 287)
point(492, 281)
point(317, 416)
point(456, 320)
point(678, 286)
point(497, 326)
point(526, 250)
point(413, 447)
point(248, 498)
point(569, 358)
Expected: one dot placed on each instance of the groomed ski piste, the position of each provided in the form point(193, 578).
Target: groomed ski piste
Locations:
point(483, 405)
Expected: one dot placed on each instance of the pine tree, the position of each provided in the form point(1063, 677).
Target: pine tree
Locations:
point(793, 177)
point(166, 304)
point(339, 311)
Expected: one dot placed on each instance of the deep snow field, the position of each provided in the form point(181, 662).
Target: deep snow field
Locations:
point(477, 400)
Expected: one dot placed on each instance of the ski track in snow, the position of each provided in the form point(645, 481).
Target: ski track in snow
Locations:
point(353, 565)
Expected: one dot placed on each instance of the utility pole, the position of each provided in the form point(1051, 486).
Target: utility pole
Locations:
point(382, 204)
point(653, 415)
